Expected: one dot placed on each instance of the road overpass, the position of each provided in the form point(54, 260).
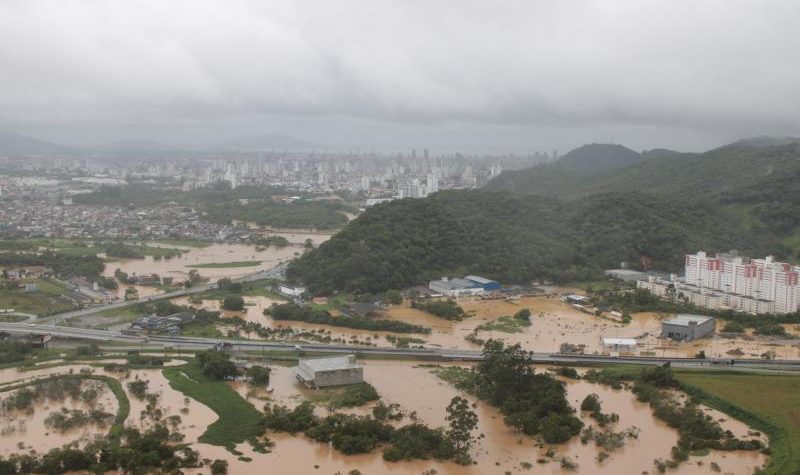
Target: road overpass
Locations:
point(429, 354)
point(272, 273)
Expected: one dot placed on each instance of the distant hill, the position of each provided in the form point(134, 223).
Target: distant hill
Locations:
point(762, 141)
point(267, 142)
point(679, 176)
point(18, 144)
point(598, 157)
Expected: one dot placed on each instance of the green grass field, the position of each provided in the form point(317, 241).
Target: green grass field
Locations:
point(12, 318)
point(506, 325)
point(769, 403)
point(238, 420)
point(226, 265)
point(45, 301)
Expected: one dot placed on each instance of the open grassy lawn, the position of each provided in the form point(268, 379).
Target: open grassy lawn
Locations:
point(226, 265)
point(208, 330)
point(238, 420)
point(256, 288)
point(506, 325)
point(768, 403)
point(46, 300)
point(37, 303)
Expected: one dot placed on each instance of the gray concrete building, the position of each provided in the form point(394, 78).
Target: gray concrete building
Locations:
point(687, 327)
point(331, 371)
point(455, 288)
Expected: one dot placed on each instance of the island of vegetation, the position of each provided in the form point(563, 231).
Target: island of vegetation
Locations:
point(294, 312)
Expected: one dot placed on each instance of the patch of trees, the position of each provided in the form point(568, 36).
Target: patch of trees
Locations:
point(535, 404)
point(233, 302)
point(138, 388)
point(591, 403)
point(277, 241)
point(13, 351)
point(64, 265)
point(123, 251)
point(294, 312)
point(145, 360)
point(258, 375)
point(138, 452)
point(65, 419)
point(216, 364)
point(447, 309)
point(351, 434)
point(355, 395)
point(226, 283)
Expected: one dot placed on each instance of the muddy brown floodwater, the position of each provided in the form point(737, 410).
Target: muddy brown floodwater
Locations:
point(179, 266)
point(415, 388)
point(22, 431)
point(553, 323)
point(195, 417)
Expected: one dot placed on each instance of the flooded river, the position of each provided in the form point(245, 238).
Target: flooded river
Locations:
point(502, 450)
point(416, 389)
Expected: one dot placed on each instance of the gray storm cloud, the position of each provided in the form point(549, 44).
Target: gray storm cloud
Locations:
point(704, 64)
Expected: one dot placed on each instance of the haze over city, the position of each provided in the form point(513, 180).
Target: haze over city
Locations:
point(390, 75)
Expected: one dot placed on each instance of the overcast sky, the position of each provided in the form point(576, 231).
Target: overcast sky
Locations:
point(438, 74)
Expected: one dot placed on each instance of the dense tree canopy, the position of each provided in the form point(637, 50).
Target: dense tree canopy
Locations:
point(510, 238)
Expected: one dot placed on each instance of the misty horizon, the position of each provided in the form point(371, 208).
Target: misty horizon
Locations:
point(512, 77)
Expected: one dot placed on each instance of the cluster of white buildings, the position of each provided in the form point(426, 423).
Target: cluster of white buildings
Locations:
point(414, 188)
point(728, 281)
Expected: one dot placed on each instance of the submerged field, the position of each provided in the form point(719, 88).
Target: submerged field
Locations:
point(769, 403)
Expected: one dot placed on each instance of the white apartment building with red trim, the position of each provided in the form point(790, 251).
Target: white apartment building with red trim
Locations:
point(759, 279)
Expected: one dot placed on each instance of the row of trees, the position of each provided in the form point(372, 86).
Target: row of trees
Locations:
point(294, 312)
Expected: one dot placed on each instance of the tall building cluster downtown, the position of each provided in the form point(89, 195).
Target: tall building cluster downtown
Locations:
point(728, 281)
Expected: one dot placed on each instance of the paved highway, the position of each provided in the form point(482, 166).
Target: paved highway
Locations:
point(433, 354)
point(273, 273)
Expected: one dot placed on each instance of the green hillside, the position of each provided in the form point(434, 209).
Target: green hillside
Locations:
point(515, 239)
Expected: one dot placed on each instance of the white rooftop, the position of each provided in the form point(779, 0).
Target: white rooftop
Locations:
point(331, 363)
point(479, 279)
point(619, 342)
point(685, 319)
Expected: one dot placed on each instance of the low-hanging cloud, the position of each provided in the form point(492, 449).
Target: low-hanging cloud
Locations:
point(705, 64)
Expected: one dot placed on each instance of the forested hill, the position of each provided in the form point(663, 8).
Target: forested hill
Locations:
point(679, 176)
point(515, 239)
point(598, 157)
